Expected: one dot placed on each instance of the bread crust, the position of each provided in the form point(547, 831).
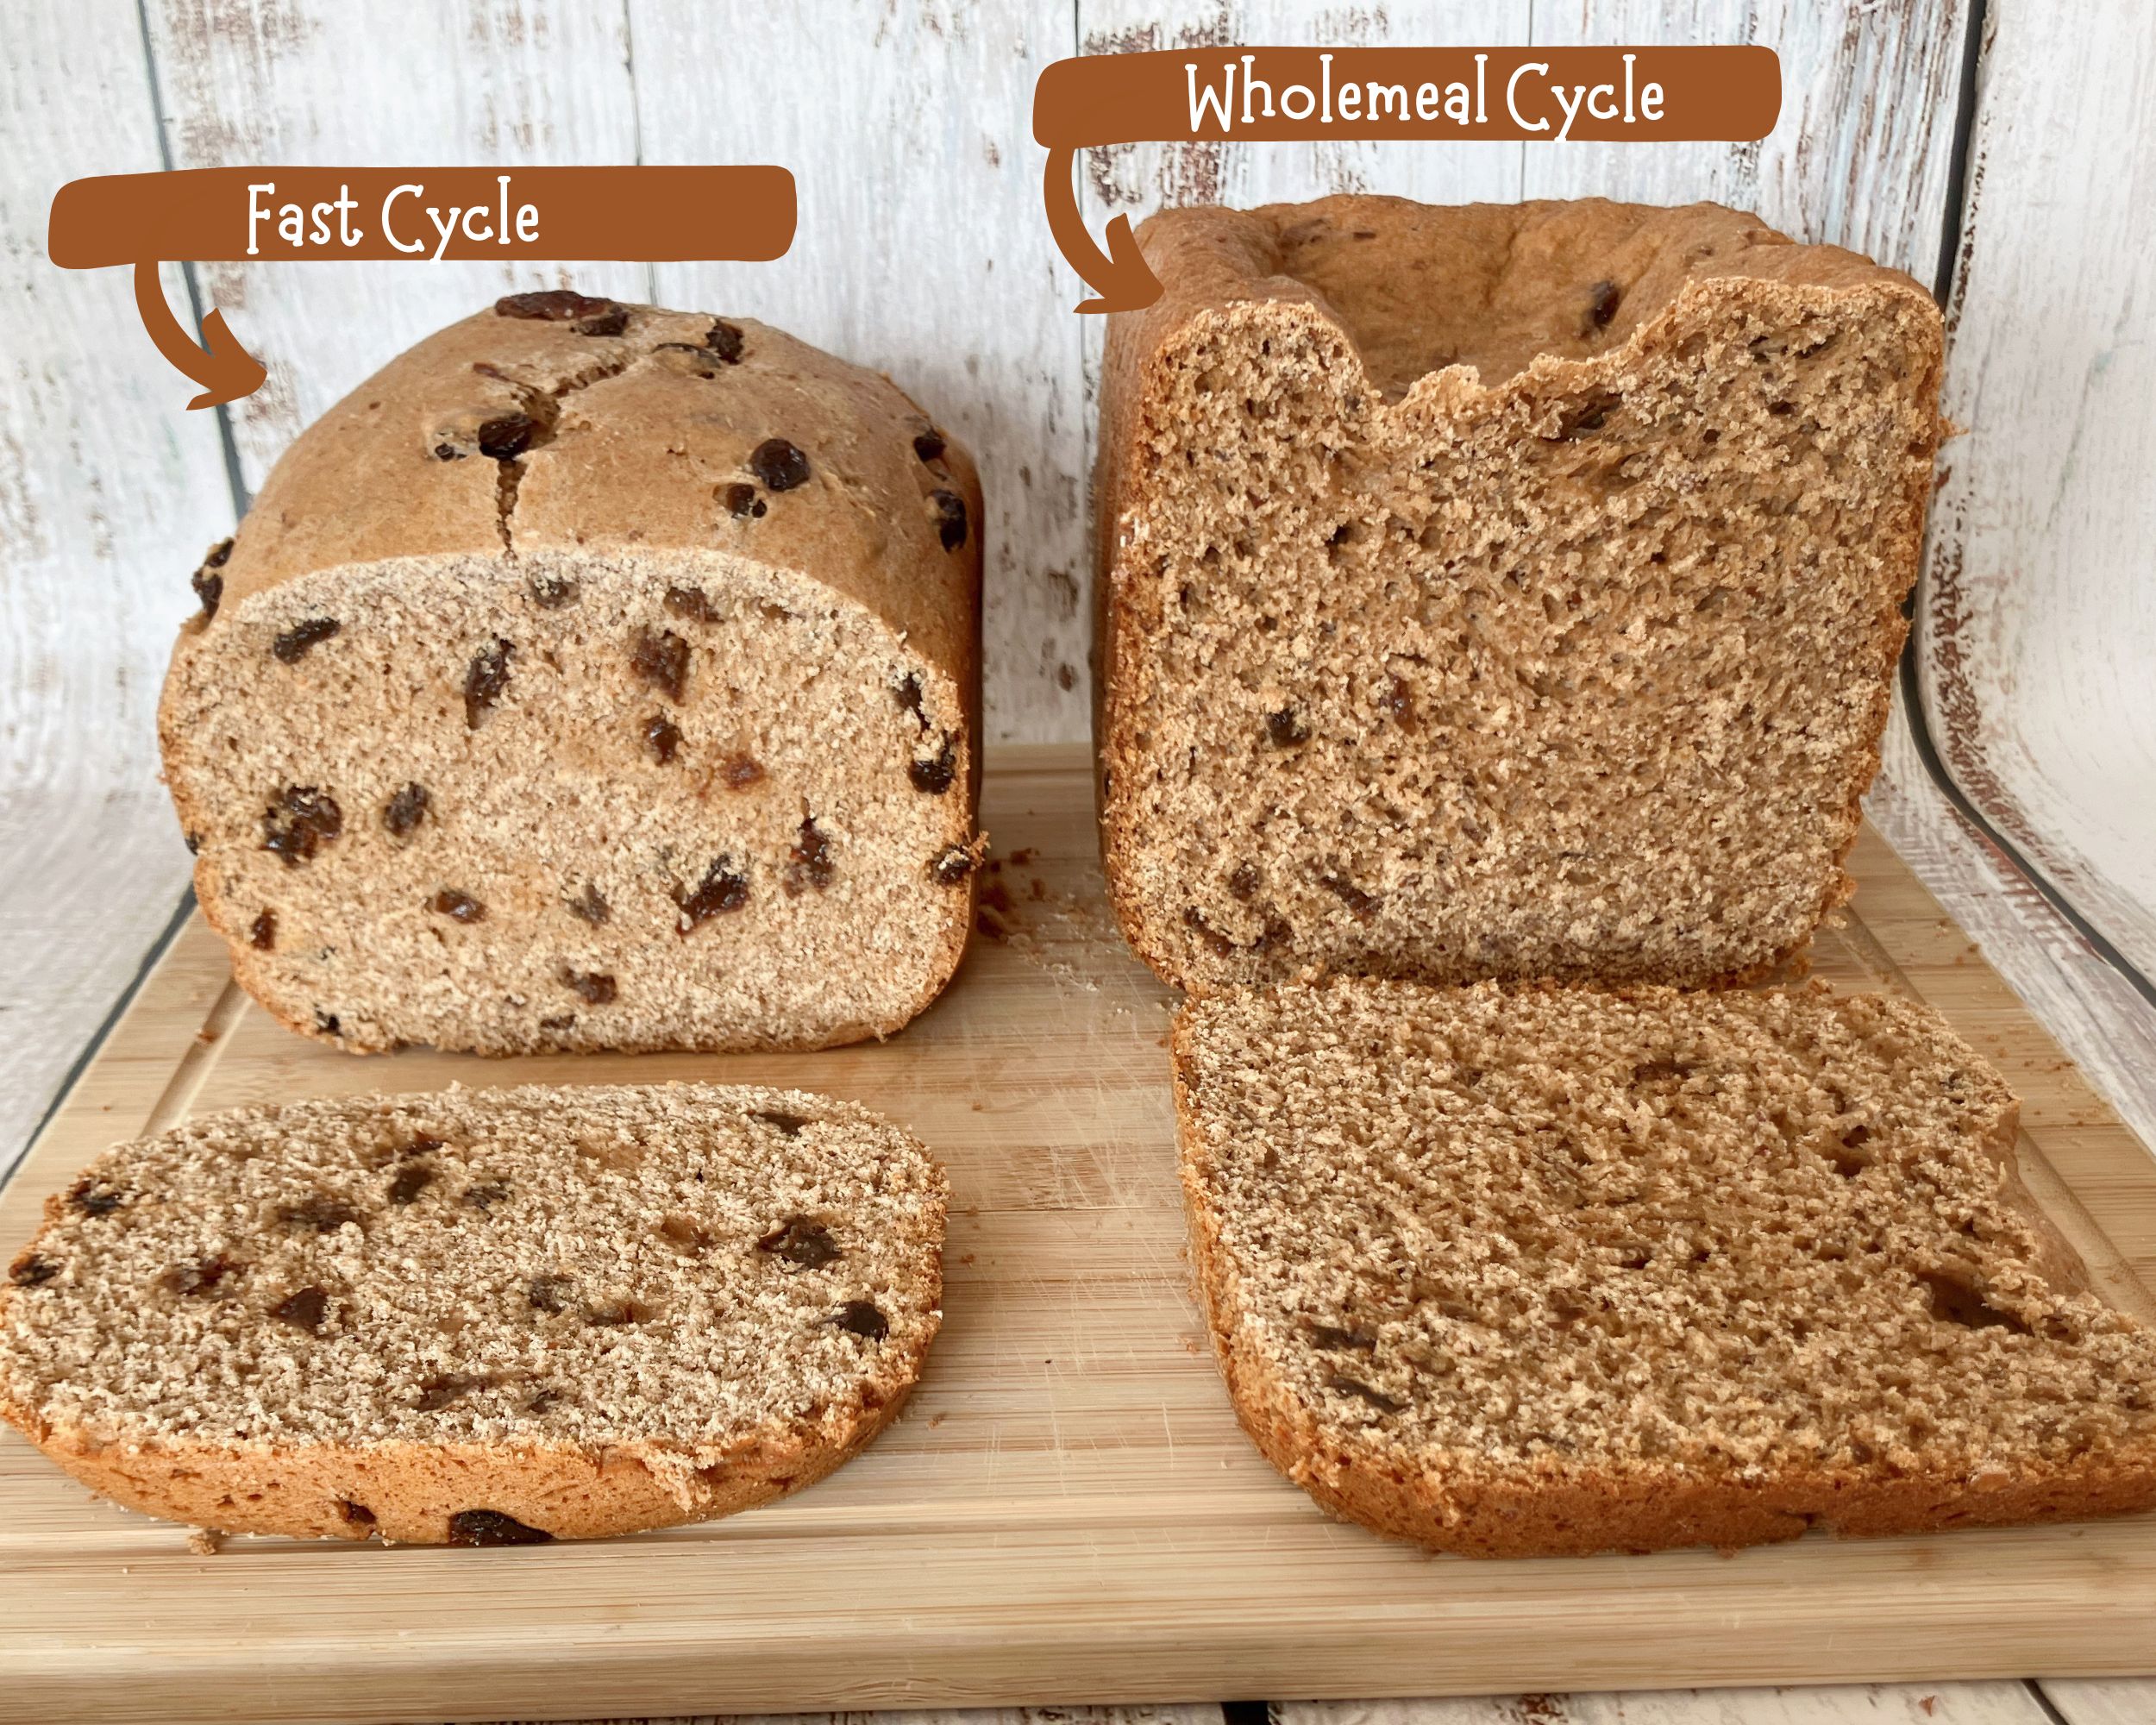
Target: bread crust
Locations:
point(1221, 266)
point(1460, 1504)
point(637, 454)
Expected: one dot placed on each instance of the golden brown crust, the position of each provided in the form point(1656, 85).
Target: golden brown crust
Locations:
point(1232, 270)
point(1461, 1503)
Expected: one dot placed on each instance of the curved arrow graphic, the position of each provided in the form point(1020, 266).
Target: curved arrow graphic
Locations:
point(226, 372)
point(1120, 275)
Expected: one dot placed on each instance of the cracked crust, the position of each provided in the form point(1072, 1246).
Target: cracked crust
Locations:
point(478, 1317)
point(646, 599)
point(1504, 590)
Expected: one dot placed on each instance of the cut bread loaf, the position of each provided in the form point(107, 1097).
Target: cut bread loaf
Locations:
point(1499, 591)
point(1553, 1271)
point(479, 1317)
point(593, 677)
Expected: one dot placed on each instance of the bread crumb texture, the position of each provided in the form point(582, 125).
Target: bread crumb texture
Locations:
point(1499, 591)
point(1520, 1271)
point(593, 680)
point(483, 1317)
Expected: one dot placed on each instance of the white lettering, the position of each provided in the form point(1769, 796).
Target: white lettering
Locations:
point(1512, 100)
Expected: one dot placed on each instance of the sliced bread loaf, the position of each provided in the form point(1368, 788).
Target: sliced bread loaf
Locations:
point(1500, 591)
point(483, 1317)
point(593, 677)
point(1548, 1271)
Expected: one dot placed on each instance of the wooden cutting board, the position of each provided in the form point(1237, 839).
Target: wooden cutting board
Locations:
point(1067, 1511)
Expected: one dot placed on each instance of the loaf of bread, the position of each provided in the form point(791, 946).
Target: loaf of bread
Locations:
point(593, 677)
point(481, 1317)
point(1550, 1272)
point(1500, 591)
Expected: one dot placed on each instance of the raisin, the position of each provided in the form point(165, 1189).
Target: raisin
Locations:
point(507, 436)
point(295, 642)
point(551, 1293)
point(929, 446)
point(1277, 935)
point(93, 1200)
point(1343, 1385)
point(299, 822)
point(551, 592)
point(693, 603)
point(484, 681)
point(950, 868)
point(810, 865)
point(740, 499)
point(355, 1514)
point(662, 737)
point(423, 1144)
point(554, 305)
point(907, 692)
point(740, 772)
point(779, 465)
point(448, 452)
point(403, 813)
point(1362, 906)
point(1334, 1340)
point(932, 778)
point(948, 510)
point(662, 661)
point(458, 906)
point(492, 1527)
point(1398, 705)
point(611, 322)
point(721, 890)
point(444, 1388)
point(1601, 305)
point(787, 1125)
point(1244, 881)
point(590, 987)
point(200, 1277)
point(328, 1023)
point(29, 1270)
point(590, 905)
point(303, 1310)
point(323, 1216)
point(208, 584)
point(1284, 730)
point(559, 1022)
point(861, 1318)
point(725, 340)
point(484, 1195)
point(412, 1179)
point(800, 1242)
point(261, 933)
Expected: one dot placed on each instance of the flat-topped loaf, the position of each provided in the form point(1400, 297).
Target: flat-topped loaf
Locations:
point(593, 677)
point(1501, 591)
point(1551, 1272)
point(481, 1317)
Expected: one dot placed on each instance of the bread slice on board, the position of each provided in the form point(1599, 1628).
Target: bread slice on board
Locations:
point(593, 677)
point(1545, 1272)
point(1503, 591)
point(481, 1317)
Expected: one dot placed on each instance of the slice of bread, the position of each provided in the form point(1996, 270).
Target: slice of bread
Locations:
point(481, 1317)
point(1503, 591)
point(593, 677)
point(1539, 1271)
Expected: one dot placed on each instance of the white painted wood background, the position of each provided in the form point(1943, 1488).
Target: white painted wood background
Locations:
point(922, 250)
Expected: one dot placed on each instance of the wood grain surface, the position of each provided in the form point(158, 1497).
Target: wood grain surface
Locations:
point(1067, 1510)
point(2039, 616)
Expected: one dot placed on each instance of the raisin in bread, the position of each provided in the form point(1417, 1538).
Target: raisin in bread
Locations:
point(481, 1317)
point(593, 677)
point(1549, 1271)
point(1501, 591)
